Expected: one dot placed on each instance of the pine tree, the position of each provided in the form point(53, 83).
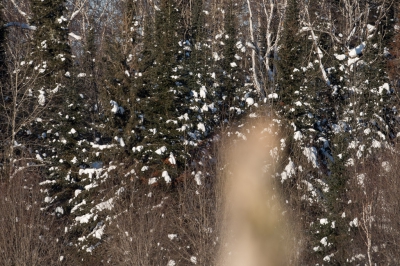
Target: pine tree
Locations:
point(160, 90)
point(63, 125)
point(291, 55)
point(378, 100)
point(51, 51)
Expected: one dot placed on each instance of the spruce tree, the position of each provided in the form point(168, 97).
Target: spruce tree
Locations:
point(291, 55)
point(62, 126)
point(161, 94)
point(377, 100)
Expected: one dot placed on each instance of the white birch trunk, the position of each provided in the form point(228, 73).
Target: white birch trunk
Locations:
point(253, 54)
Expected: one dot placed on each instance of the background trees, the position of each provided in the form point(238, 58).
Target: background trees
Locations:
point(95, 94)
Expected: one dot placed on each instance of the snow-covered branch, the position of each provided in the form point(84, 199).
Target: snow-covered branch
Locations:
point(21, 25)
point(76, 37)
point(76, 12)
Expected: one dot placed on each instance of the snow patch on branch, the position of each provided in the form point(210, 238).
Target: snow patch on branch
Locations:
point(76, 37)
point(21, 25)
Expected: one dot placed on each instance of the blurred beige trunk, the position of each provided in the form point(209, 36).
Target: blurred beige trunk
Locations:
point(254, 233)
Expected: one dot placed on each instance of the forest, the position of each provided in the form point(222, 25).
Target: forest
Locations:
point(125, 124)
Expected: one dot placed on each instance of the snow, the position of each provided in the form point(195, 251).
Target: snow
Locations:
point(204, 108)
point(185, 117)
point(90, 172)
point(384, 87)
point(250, 101)
point(311, 154)
point(298, 135)
point(327, 258)
point(376, 144)
point(161, 150)
point(386, 166)
point(61, 19)
point(193, 260)
point(172, 236)
point(289, 170)
point(166, 176)
point(77, 192)
point(101, 147)
point(197, 178)
point(47, 182)
point(354, 222)
point(340, 57)
point(38, 157)
point(76, 37)
point(152, 180)
point(273, 96)
point(233, 64)
point(320, 54)
point(48, 199)
point(323, 221)
point(90, 186)
point(360, 179)
point(60, 210)
point(171, 263)
point(201, 127)
point(324, 241)
point(137, 149)
point(81, 75)
point(381, 135)
point(84, 219)
point(77, 206)
point(98, 231)
point(105, 205)
point(203, 92)
point(172, 159)
point(357, 51)
point(116, 109)
point(41, 98)
point(120, 141)
point(216, 56)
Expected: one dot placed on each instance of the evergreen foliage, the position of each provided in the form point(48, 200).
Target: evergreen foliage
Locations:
point(290, 58)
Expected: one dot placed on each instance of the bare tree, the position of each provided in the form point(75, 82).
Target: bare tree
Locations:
point(26, 237)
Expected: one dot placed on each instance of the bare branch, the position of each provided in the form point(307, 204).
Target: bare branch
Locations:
point(26, 16)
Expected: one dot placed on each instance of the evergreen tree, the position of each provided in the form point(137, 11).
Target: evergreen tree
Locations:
point(161, 94)
point(291, 55)
point(375, 98)
point(231, 78)
point(51, 52)
point(63, 125)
